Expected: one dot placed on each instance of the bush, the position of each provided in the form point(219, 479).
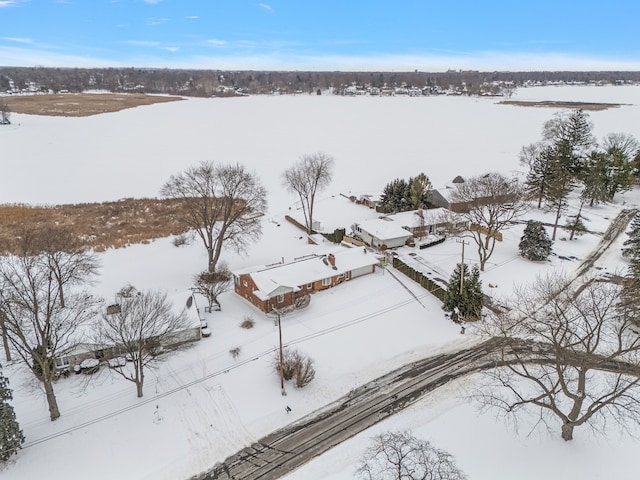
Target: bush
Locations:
point(248, 322)
point(180, 240)
point(296, 367)
point(235, 352)
point(304, 372)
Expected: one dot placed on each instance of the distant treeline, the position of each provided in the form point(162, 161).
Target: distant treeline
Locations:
point(204, 83)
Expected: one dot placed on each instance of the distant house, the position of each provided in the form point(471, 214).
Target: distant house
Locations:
point(70, 359)
point(279, 286)
point(382, 231)
point(445, 197)
point(428, 221)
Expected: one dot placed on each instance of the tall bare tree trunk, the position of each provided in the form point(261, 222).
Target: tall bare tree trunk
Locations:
point(555, 225)
point(139, 380)
point(567, 431)
point(5, 339)
point(54, 411)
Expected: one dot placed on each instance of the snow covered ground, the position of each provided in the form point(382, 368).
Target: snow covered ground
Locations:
point(202, 404)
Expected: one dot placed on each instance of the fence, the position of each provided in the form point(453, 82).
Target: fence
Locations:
point(418, 277)
point(474, 227)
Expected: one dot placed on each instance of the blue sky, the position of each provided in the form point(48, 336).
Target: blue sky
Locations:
point(323, 35)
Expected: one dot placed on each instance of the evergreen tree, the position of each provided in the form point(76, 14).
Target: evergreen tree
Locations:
point(631, 248)
point(537, 156)
point(11, 437)
point(464, 296)
point(575, 224)
point(418, 189)
point(395, 196)
point(560, 185)
point(595, 178)
point(535, 243)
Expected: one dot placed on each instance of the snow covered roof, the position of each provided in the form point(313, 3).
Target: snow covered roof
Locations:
point(281, 278)
point(432, 216)
point(384, 228)
point(447, 192)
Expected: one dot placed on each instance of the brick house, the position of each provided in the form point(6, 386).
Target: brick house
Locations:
point(280, 285)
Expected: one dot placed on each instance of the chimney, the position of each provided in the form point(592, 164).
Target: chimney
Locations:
point(332, 259)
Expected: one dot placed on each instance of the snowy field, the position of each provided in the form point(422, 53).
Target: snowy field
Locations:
point(201, 405)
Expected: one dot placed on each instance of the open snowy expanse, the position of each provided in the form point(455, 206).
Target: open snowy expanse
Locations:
point(202, 405)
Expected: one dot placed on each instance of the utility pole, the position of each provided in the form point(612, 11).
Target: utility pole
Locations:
point(281, 353)
point(462, 264)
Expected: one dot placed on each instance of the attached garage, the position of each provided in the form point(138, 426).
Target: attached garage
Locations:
point(358, 272)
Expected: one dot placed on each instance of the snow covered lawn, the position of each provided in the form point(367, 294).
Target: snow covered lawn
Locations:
point(202, 404)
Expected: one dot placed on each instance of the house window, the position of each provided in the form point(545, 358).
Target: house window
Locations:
point(280, 298)
point(244, 282)
point(62, 362)
point(309, 286)
point(326, 282)
point(341, 276)
point(236, 280)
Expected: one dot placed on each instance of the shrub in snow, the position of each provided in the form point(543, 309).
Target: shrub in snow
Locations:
point(248, 322)
point(235, 352)
point(296, 367)
point(180, 240)
point(304, 371)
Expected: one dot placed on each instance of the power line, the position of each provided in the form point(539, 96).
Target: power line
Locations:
point(195, 382)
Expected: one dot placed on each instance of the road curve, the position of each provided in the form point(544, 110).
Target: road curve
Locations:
point(286, 449)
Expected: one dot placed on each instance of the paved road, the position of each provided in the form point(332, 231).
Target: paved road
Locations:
point(287, 449)
point(617, 226)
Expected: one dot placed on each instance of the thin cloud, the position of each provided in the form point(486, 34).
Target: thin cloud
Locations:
point(266, 7)
point(141, 43)
point(18, 40)
point(216, 43)
point(8, 3)
point(192, 17)
point(170, 49)
point(152, 2)
point(153, 21)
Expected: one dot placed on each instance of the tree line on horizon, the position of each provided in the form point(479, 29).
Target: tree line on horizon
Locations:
point(204, 83)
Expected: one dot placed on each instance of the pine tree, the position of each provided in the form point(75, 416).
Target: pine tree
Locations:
point(395, 196)
point(535, 243)
point(11, 437)
point(631, 248)
point(464, 298)
point(595, 178)
point(575, 223)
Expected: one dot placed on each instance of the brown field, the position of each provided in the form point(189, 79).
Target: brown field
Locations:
point(554, 104)
point(81, 104)
point(96, 225)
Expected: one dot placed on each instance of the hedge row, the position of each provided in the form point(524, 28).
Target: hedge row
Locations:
point(418, 277)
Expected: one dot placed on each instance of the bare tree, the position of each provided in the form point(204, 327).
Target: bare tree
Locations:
point(493, 202)
point(222, 204)
point(70, 262)
point(212, 284)
point(581, 365)
point(37, 326)
point(312, 173)
point(402, 456)
point(144, 323)
point(5, 112)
